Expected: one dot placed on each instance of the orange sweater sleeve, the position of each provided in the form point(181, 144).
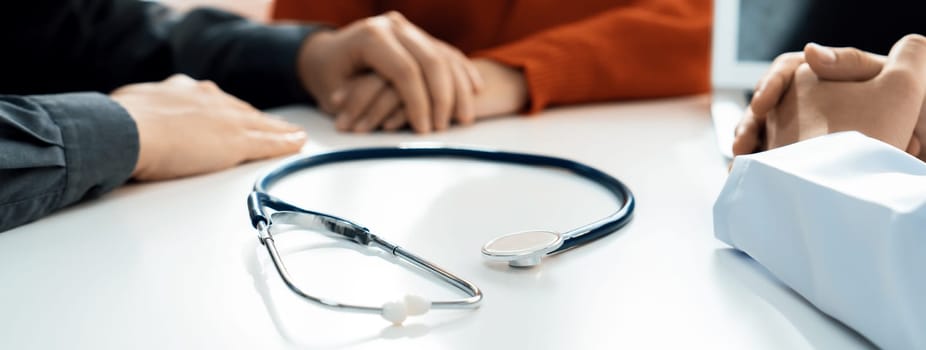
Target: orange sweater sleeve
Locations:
point(649, 49)
point(335, 13)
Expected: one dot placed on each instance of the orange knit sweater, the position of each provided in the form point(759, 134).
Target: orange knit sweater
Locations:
point(571, 51)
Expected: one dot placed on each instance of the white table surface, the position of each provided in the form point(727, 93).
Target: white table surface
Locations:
point(177, 265)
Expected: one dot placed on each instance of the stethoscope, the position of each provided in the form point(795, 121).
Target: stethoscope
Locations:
point(270, 215)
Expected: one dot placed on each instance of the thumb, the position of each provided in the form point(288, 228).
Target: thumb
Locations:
point(842, 63)
point(905, 67)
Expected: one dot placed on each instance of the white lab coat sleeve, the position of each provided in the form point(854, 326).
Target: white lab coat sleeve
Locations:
point(841, 219)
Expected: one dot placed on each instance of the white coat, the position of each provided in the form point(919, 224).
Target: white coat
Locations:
point(841, 219)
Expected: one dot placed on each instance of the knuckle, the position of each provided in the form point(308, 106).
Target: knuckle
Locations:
point(374, 37)
point(787, 57)
point(899, 77)
point(395, 15)
point(802, 74)
point(372, 27)
point(179, 78)
point(208, 85)
point(802, 70)
point(915, 40)
point(851, 53)
point(407, 71)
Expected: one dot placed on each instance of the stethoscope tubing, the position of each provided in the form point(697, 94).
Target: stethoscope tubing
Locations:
point(284, 213)
point(572, 239)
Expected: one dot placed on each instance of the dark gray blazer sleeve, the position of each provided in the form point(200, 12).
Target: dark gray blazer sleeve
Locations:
point(58, 149)
point(53, 46)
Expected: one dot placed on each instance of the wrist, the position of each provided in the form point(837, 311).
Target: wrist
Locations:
point(505, 89)
point(313, 49)
point(144, 157)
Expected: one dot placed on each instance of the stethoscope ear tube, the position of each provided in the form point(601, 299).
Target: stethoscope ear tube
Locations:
point(256, 208)
point(259, 199)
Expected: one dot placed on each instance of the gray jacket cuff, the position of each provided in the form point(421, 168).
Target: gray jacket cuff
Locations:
point(100, 142)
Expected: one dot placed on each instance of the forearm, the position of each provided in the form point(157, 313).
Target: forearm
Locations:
point(637, 51)
point(255, 62)
point(853, 250)
point(504, 90)
point(60, 149)
point(100, 45)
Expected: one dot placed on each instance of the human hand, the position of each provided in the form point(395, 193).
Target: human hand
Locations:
point(885, 107)
point(367, 102)
point(188, 127)
point(505, 92)
point(430, 77)
point(834, 64)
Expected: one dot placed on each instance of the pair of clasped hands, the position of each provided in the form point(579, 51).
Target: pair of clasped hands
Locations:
point(381, 72)
point(824, 90)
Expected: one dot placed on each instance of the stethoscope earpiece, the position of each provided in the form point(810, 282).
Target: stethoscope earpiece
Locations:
point(412, 305)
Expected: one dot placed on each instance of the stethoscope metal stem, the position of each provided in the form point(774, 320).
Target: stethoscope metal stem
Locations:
point(461, 284)
point(308, 220)
point(274, 253)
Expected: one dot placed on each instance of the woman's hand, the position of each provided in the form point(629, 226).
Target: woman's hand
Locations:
point(432, 80)
point(375, 105)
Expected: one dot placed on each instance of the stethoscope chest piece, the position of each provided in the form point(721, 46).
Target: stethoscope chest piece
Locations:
point(522, 249)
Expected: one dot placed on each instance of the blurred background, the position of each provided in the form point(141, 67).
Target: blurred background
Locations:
point(254, 9)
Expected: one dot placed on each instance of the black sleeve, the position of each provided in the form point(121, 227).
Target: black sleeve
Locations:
point(53, 46)
point(59, 149)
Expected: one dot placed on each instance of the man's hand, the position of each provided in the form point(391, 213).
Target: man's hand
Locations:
point(188, 127)
point(504, 92)
point(831, 64)
point(885, 107)
point(432, 79)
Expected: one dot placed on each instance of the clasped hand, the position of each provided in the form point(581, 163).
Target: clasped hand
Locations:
point(383, 72)
point(824, 90)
